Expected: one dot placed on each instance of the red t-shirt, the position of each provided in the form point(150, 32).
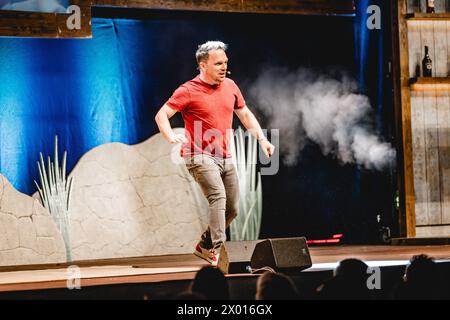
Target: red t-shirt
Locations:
point(207, 112)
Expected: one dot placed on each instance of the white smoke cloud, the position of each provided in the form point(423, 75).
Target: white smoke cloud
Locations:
point(305, 106)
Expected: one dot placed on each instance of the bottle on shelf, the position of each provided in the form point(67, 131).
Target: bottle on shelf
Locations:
point(427, 64)
point(430, 6)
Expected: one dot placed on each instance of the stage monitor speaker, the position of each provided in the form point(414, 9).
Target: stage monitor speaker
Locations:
point(236, 255)
point(283, 254)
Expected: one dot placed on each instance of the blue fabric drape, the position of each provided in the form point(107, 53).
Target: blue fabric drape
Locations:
point(88, 92)
point(369, 54)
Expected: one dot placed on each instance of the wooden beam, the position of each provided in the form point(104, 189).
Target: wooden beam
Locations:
point(45, 25)
point(305, 7)
point(402, 99)
point(27, 24)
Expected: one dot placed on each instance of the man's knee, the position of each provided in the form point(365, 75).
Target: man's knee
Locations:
point(217, 198)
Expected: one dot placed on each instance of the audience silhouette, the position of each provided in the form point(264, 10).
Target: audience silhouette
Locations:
point(349, 282)
point(275, 286)
point(211, 283)
point(420, 281)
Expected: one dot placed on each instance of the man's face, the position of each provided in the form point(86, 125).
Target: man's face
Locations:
point(215, 68)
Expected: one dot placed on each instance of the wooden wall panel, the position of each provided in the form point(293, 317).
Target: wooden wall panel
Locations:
point(419, 158)
point(448, 48)
point(431, 134)
point(439, 5)
point(440, 47)
point(415, 49)
point(417, 126)
point(445, 141)
point(432, 157)
point(443, 107)
point(430, 116)
point(430, 121)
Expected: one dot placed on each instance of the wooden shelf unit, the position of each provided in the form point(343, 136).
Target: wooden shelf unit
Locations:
point(428, 16)
point(429, 83)
point(423, 112)
point(430, 80)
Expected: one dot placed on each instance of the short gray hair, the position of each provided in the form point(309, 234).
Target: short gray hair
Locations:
point(203, 49)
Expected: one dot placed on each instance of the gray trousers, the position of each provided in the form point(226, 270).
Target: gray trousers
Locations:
point(218, 180)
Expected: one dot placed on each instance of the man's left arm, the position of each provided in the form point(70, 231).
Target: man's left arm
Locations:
point(249, 121)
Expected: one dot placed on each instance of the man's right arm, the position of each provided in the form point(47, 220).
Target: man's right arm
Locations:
point(162, 120)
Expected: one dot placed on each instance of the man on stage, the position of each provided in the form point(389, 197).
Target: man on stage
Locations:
point(207, 103)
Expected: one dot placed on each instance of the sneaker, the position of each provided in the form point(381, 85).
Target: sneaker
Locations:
point(210, 255)
point(201, 252)
point(214, 255)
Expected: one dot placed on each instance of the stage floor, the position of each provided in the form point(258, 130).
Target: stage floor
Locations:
point(185, 266)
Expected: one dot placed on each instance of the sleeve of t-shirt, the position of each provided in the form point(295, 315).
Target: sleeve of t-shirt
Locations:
point(179, 99)
point(240, 102)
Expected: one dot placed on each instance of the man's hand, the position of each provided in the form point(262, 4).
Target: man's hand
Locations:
point(266, 147)
point(176, 138)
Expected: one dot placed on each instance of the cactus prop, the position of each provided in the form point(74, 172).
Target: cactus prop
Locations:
point(55, 192)
point(247, 224)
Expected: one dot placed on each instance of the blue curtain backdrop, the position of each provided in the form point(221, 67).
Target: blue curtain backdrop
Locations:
point(88, 92)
